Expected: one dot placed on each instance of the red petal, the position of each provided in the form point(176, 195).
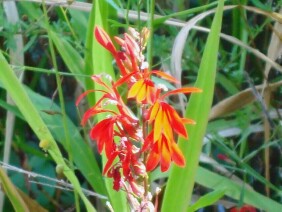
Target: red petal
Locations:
point(148, 142)
point(175, 120)
point(92, 112)
point(165, 155)
point(152, 161)
point(109, 162)
point(134, 65)
point(102, 132)
point(81, 96)
point(97, 78)
point(177, 155)
point(119, 41)
point(182, 90)
point(165, 76)
point(104, 39)
point(124, 79)
point(188, 121)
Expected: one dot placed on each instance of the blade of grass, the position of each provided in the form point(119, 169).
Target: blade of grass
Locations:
point(180, 184)
point(102, 63)
point(162, 19)
point(31, 203)
point(71, 57)
point(21, 99)
point(88, 59)
point(16, 58)
point(61, 96)
point(207, 199)
point(11, 192)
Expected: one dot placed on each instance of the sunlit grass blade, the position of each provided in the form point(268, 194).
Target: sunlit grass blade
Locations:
point(21, 99)
point(11, 192)
point(102, 63)
point(181, 181)
point(185, 12)
point(71, 57)
point(207, 199)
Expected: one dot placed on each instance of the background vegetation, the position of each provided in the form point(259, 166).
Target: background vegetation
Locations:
point(48, 54)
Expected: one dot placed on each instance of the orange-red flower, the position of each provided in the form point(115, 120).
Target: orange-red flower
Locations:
point(162, 151)
point(134, 145)
point(143, 90)
point(165, 121)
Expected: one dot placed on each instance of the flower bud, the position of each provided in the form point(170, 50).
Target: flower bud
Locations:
point(45, 144)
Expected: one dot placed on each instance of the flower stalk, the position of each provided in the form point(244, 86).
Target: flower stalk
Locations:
point(135, 146)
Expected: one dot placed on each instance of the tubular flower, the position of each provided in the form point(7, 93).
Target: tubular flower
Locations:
point(128, 59)
point(166, 120)
point(163, 151)
point(127, 155)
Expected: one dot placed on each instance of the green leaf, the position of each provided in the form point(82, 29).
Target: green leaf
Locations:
point(180, 184)
point(185, 12)
point(11, 192)
point(71, 57)
point(99, 61)
point(207, 199)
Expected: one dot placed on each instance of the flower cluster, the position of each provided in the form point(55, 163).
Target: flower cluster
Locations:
point(135, 146)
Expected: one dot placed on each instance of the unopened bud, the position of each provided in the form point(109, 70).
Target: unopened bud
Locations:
point(60, 169)
point(45, 144)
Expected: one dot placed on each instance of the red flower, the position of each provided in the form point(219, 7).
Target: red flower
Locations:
point(128, 161)
point(128, 59)
point(245, 208)
point(165, 121)
point(133, 146)
point(164, 151)
point(103, 134)
point(118, 124)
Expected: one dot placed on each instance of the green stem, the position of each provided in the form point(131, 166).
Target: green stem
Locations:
point(59, 86)
point(151, 28)
point(61, 97)
point(68, 23)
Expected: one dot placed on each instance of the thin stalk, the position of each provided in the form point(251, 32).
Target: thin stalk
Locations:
point(16, 58)
point(139, 15)
point(46, 71)
point(145, 155)
point(61, 97)
point(68, 23)
point(127, 13)
point(151, 28)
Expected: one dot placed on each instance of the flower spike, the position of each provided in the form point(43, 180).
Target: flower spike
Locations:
point(135, 146)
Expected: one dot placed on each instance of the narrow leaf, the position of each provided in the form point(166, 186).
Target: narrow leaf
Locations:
point(208, 199)
point(11, 192)
point(181, 181)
